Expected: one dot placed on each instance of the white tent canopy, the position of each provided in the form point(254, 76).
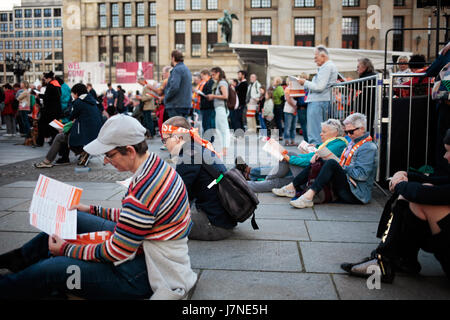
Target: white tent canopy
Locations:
point(290, 60)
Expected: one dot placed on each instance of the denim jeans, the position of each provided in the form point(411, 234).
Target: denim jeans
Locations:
point(301, 115)
point(208, 119)
point(237, 119)
point(25, 122)
point(316, 113)
point(290, 120)
point(331, 172)
point(46, 274)
point(172, 112)
point(148, 121)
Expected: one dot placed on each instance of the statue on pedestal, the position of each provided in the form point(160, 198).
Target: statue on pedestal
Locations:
point(227, 25)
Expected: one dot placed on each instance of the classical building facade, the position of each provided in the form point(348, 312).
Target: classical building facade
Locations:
point(34, 29)
point(139, 30)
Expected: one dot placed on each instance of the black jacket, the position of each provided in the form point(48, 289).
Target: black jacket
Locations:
point(205, 104)
point(197, 179)
point(241, 91)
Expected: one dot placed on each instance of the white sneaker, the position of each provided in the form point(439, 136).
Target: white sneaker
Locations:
point(283, 192)
point(301, 203)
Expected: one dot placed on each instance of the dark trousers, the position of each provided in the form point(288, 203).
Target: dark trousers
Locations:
point(443, 124)
point(237, 119)
point(331, 172)
point(148, 121)
point(173, 112)
point(279, 116)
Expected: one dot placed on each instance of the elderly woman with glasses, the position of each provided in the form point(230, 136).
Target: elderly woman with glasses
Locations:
point(352, 177)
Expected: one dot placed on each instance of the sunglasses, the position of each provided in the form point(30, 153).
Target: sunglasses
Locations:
point(352, 131)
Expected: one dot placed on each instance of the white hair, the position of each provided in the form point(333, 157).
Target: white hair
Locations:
point(335, 125)
point(403, 58)
point(358, 120)
point(322, 50)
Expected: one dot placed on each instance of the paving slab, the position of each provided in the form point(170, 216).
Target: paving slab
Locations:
point(337, 231)
point(4, 213)
point(347, 212)
point(8, 203)
point(270, 229)
point(284, 212)
point(326, 257)
point(403, 288)
point(250, 255)
point(20, 193)
point(17, 222)
point(13, 240)
point(270, 198)
point(223, 285)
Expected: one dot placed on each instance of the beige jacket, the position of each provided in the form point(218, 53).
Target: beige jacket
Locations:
point(148, 100)
point(24, 100)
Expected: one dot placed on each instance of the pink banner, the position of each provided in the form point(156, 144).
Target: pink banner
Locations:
point(129, 72)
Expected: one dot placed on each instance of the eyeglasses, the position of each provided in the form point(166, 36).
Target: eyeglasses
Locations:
point(352, 131)
point(109, 157)
point(164, 140)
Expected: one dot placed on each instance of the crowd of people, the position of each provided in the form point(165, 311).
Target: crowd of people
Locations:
point(165, 205)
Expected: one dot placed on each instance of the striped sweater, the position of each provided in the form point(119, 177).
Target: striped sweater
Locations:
point(155, 207)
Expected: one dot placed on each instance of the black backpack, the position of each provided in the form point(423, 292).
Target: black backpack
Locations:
point(238, 200)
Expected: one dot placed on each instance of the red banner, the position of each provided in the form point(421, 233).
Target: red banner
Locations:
point(129, 72)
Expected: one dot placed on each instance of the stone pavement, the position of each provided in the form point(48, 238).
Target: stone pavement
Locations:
point(295, 255)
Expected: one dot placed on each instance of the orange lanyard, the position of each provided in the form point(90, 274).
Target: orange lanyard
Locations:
point(350, 155)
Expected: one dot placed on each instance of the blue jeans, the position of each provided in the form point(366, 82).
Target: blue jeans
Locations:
point(208, 119)
point(25, 122)
point(316, 113)
point(98, 280)
point(172, 112)
point(148, 121)
point(262, 123)
point(301, 115)
point(290, 120)
point(236, 118)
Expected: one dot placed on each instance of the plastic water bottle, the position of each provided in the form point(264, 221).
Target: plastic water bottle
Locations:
point(82, 169)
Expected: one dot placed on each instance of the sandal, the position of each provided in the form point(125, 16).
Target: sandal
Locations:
point(43, 164)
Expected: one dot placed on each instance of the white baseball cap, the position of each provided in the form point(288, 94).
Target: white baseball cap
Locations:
point(118, 131)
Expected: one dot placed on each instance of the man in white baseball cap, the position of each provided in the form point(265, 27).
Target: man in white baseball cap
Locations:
point(155, 216)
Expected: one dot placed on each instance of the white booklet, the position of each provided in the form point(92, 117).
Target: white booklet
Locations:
point(306, 148)
point(49, 209)
point(200, 93)
point(58, 125)
point(274, 149)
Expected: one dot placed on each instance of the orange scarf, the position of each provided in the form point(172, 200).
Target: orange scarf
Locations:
point(196, 96)
point(347, 161)
point(168, 129)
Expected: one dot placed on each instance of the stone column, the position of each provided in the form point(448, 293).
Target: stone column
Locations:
point(284, 28)
point(204, 38)
point(387, 22)
point(71, 17)
point(332, 23)
point(165, 38)
point(146, 47)
point(187, 39)
point(133, 47)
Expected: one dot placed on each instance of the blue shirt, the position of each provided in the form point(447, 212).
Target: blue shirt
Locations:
point(319, 89)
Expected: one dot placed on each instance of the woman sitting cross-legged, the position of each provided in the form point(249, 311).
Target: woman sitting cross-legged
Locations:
point(211, 221)
point(352, 177)
point(332, 136)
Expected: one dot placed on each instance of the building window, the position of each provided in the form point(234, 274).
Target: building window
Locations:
point(57, 23)
point(115, 50)
point(1, 45)
point(102, 15)
point(180, 4)
point(350, 32)
point(18, 13)
point(47, 44)
point(28, 55)
point(350, 3)
point(18, 24)
point(140, 14)
point(57, 12)
point(48, 67)
point(38, 56)
point(127, 14)
point(58, 44)
point(28, 34)
point(196, 4)
point(211, 37)
point(115, 15)
point(211, 5)
point(38, 66)
point(399, 3)
point(153, 45)
point(304, 4)
point(47, 34)
point(38, 34)
point(28, 13)
point(261, 4)
point(11, 27)
point(28, 23)
point(261, 29)
point(58, 55)
point(47, 12)
point(3, 27)
point(399, 22)
point(196, 38)
point(3, 17)
point(48, 55)
point(47, 23)
point(18, 34)
point(18, 44)
point(28, 44)
point(152, 18)
point(128, 50)
point(304, 29)
point(38, 23)
point(37, 13)
point(140, 42)
point(180, 29)
point(57, 33)
point(103, 56)
point(38, 44)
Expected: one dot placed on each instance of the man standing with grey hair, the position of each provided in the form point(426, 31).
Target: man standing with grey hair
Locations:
point(319, 93)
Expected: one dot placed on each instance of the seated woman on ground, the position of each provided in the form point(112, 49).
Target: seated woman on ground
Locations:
point(420, 219)
point(352, 177)
point(292, 164)
point(211, 221)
